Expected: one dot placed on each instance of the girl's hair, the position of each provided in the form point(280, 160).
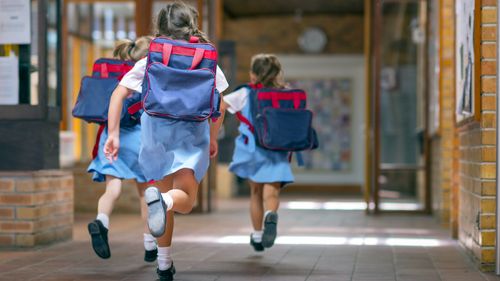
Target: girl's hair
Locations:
point(132, 50)
point(179, 20)
point(267, 69)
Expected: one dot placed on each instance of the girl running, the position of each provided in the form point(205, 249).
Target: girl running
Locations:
point(267, 171)
point(175, 154)
point(126, 167)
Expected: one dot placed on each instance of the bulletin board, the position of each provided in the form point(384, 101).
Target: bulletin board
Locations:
point(466, 65)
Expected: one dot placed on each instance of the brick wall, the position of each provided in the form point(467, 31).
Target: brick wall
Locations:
point(477, 154)
point(36, 208)
point(444, 145)
point(279, 35)
point(87, 193)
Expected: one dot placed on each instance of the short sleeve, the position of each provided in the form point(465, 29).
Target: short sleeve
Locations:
point(236, 100)
point(133, 79)
point(220, 80)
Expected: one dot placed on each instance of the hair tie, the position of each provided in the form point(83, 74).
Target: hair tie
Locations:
point(131, 47)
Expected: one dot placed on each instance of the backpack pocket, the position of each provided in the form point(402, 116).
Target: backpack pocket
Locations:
point(179, 93)
point(93, 100)
point(285, 129)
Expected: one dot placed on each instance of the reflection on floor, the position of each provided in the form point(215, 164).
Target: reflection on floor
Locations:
point(351, 205)
point(325, 240)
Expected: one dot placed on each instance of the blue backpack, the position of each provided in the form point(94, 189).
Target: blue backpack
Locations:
point(180, 80)
point(95, 93)
point(281, 121)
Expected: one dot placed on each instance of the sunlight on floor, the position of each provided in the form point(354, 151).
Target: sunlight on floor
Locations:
point(348, 206)
point(321, 240)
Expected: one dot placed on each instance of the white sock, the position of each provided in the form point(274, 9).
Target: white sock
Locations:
point(169, 202)
point(257, 235)
point(104, 219)
point(267, 212)
point(149, 242)
point(164, 258)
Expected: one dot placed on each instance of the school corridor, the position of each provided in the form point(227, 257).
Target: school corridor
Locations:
point(318, 240)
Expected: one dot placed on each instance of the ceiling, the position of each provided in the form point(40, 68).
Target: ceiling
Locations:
point(251, 8)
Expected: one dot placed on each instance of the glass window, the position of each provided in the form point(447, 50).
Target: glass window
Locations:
point(32, 97)
point(52, 52)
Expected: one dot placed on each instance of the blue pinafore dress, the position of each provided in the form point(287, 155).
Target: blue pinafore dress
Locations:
point(168, 146)
point(256, 163)
point(127, 164)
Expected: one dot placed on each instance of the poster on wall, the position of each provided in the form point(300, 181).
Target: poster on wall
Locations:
point(464, 58)
point(15, 22)
point(9, 79)
point(331, 102)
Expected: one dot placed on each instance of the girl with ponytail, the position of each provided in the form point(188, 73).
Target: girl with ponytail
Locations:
point(267, 171)
point(126, 168)
point(174, 154)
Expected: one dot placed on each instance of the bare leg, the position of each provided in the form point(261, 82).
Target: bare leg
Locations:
point(112, 193)
point(98, 229)
point(185, 191)
point(256, 204)
point(271, 196)
point(182, 198)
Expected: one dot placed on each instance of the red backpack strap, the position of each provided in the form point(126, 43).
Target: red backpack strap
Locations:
point(182, 51)
point(197, 58)
point(104, 71)
point(245, 121)
point(105, 68)
point(194, 39)
point(255, 86)
point(134, 108)
point(95, 150)
point(166, 51)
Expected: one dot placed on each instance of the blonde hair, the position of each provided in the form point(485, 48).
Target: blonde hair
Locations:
point(132, 50)
point(267, 70)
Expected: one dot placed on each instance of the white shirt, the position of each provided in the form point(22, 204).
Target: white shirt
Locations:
point(236, 100)
point(133, 79)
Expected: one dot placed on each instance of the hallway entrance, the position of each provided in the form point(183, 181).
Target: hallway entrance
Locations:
point(397, 99)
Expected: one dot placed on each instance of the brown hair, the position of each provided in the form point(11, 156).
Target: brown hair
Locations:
point(267, 69)
point(132, 50)
point(179, 20)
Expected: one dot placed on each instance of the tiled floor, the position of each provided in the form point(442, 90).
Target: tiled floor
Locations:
point(314, 245)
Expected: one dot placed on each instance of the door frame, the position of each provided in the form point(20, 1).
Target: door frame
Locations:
point(373, 24)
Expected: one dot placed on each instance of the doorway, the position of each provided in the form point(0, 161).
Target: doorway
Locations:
point(397, 173)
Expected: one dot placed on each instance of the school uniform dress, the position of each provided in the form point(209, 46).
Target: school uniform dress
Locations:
point(168, 145)
point(251, 161)
point(127, 164)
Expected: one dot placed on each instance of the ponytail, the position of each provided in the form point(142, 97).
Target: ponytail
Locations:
point(267, 70)
point(122, 49)
point(132, 50)
point(179, 21)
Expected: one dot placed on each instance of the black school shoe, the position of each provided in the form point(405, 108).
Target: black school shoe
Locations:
point(150, 256)
point(157, 211)
point(257, 246)
point(99, 235)
point(166, 275)
point(270, 229)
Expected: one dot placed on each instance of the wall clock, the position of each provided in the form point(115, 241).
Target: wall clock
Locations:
point(313, 40)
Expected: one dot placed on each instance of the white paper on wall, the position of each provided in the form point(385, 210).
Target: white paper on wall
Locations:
point(15, 22)
point(9, 80)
